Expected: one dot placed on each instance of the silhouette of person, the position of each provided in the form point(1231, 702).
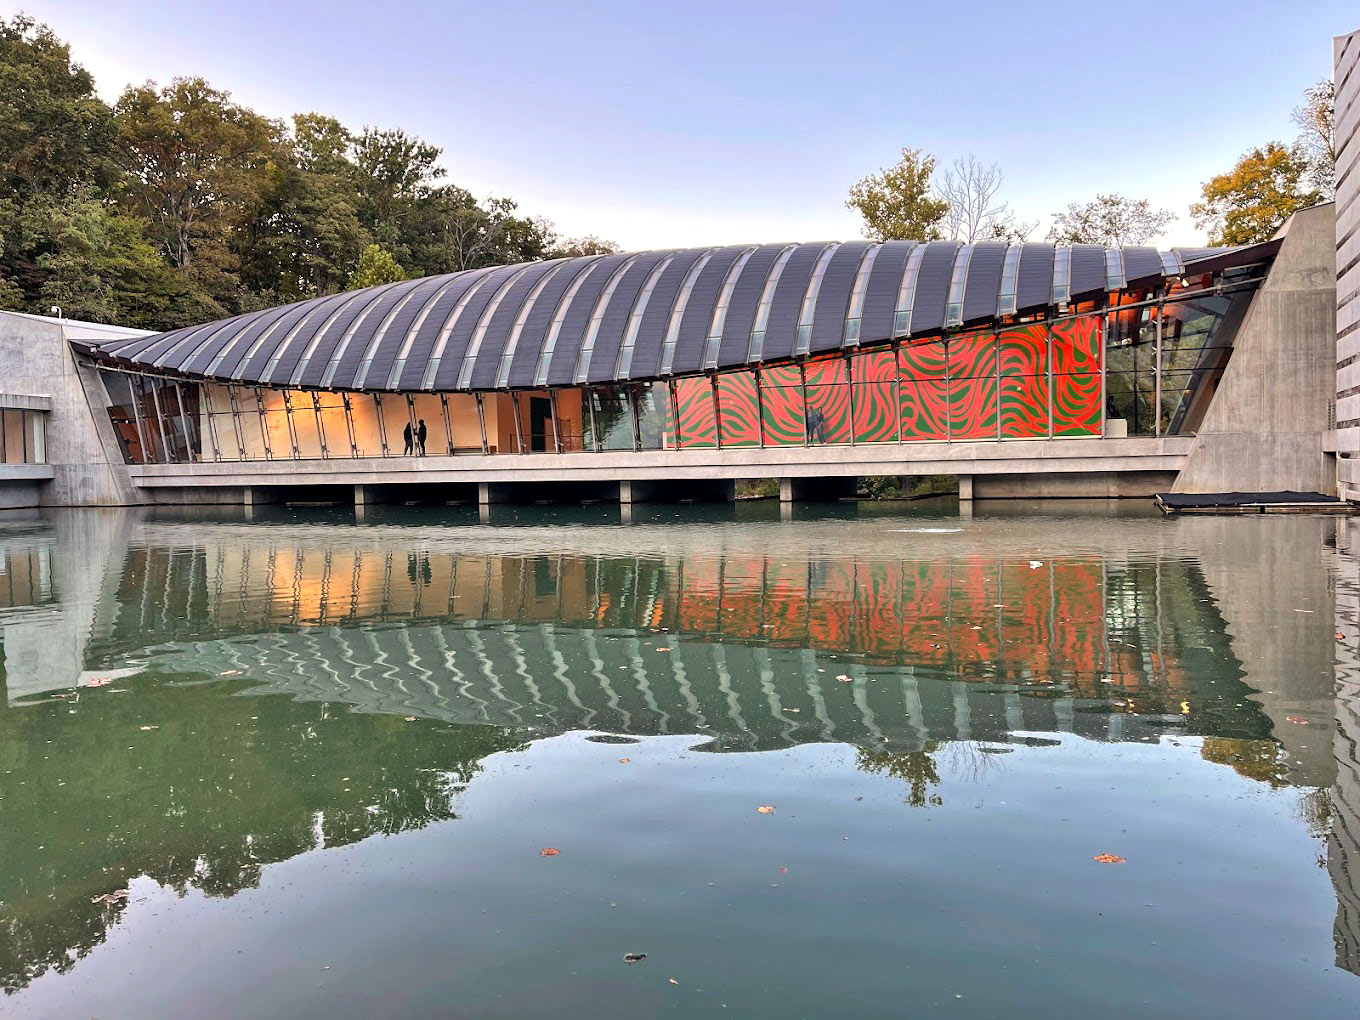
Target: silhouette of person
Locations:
point(421, 433)
point(406, 435)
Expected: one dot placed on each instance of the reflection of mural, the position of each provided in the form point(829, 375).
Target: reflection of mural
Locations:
point(1083, 627)
point(985, 385)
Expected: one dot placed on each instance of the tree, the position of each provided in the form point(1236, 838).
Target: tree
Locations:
point(896, 203)
point(1317, 136)
point(1250, 202)
point(975, 214)
point(376, 267)
point(572, 247)
point(1111, 220)
point(56, 136)
point(196, 168)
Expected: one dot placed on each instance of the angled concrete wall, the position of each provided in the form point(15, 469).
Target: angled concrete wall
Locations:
point(1346, 52)
point(87, 469)
point(1270, 423)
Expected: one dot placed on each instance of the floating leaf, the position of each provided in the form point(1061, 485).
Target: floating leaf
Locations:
point(99, 681)
point(1109, 858)
point(663, 649)
point(845, 679)
point(410, 718)
point(624, 761)
point(144, 728)
point(549, 851)
point(766, 809)
point(1300, 720)
point(230, 672)
point(634, 957)
point(674, 982)
point(111, 897)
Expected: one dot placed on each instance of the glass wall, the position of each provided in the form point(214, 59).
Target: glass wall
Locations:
point(1151, 362)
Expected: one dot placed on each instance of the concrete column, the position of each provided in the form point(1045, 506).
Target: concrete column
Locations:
point(248, 496)
point(484, 494)
point(625, 513)
point(965, 488)
point(363, 495)
point(626, 493)
point(786, 490)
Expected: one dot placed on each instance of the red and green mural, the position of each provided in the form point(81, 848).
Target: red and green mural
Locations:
point(973, 386)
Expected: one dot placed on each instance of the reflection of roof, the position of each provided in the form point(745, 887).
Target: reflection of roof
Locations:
point(641, 315)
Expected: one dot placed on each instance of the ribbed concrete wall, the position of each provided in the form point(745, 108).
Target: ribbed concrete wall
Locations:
point(1346, 49)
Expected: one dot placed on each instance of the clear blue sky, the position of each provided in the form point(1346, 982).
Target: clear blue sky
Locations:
point(664, 124)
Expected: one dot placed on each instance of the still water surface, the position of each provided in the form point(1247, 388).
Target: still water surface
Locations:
point(323, 759)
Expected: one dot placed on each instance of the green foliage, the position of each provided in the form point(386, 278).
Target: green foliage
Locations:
point(376, 267)
point(897, 203)
point(179, 205)
point(757, 488)
point(1251, 201)
point(881, 486)
point(571, 247)
point(1111, 220)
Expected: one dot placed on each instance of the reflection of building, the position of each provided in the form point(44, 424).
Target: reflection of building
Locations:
point(798, 361)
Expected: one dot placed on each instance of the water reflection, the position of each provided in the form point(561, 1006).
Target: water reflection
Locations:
point(194, 700)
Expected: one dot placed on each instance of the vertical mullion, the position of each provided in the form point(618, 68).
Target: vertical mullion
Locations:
point(897, 387)
point(557, 434)
point(850, 382)
point(633, 403)
point(349, 426)
point(264, 424)
point(760, 406)
point(948, 395)
point(236, 421)
point(1157, 390)
point(288, 419)
point(205, 409)
point(802, 388)
point(382, 422)
point(448, 426)
point(589, 395)
point(320, 426)
point(717, 411)
point(1048, 329)
point(481, 425)
point(996, 352)
point(160, 424)
point(519, 428)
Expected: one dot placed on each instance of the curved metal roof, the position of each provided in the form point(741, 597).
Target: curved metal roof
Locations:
point(640, 315)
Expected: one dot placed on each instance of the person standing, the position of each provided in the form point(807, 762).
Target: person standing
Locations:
point(406, 435)
point(421, 433)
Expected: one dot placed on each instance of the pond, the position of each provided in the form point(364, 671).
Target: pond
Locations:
point(859, 760)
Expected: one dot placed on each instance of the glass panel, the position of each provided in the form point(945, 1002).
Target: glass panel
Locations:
point(1024, 406)
point(924, 410)
point(923, 361)
point(1023, 361)
point(613, 418)
point(252, 428)
point(697, 421)
point(334, 433)
point(783, 415)
point(149, 428)
point(1129, 397)
point(1185, 398)
point(1077, 344)
point(738, 409)
point(363, 409)
point(810, 299)
point(175, 431)
point(1190, 331)
point(277, 437)
point(120, 416)
point(655, 426)
point(875, 392)
point(398, 428)
point(571, 420)
point(1076, 405)
point(191, 409)
point(973, 408)
point(828, 401)
point(305, 425)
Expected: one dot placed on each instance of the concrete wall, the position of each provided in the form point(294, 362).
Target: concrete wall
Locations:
point(1270, 424)
point(1090, 485)
point(1346, 50)
point(88, 470)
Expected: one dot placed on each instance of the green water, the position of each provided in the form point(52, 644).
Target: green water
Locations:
point(323, 757)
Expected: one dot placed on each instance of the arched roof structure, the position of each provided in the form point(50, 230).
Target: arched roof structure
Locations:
point(643, 315)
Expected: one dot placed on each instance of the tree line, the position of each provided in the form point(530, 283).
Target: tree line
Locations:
point(176, 205)
point(908, 201)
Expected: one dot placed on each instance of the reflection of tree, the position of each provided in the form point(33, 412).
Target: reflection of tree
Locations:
point(915, 768)
point(221, 787)
point(1262, 760)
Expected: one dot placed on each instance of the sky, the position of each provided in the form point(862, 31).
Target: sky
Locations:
point(663, 124)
